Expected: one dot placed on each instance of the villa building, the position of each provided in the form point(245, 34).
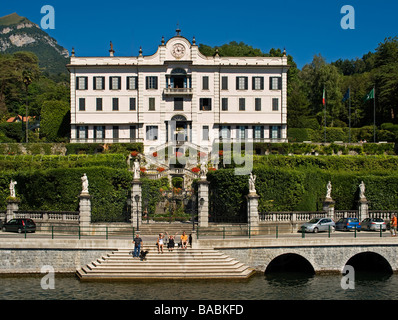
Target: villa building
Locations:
point(178, 94)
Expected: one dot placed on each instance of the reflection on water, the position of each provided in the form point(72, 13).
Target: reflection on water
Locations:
point(280, 286)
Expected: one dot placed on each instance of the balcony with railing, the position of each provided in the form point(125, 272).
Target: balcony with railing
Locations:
point(177, 91)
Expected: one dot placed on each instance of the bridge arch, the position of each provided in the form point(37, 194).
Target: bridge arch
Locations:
point(370, 261)
point(289, 262)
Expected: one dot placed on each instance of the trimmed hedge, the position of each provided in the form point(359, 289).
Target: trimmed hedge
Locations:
point(59, 189)
point(42, 162)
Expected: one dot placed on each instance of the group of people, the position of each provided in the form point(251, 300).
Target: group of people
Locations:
point(161, 241)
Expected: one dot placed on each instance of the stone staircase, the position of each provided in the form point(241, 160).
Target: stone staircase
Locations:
point(178, 264)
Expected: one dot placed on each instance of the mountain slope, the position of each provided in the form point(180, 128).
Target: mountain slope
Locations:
point(19, 34)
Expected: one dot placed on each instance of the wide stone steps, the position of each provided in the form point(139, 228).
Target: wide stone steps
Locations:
point(178, 264)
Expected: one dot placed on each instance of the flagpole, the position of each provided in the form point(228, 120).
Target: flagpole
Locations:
point(374, 114)
point(324, 104)
point(349, 114)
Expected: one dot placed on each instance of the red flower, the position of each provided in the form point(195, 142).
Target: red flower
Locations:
point(142, 169)
point(212, 169)
point(134, 153)
point(160, 169)
point(155, 154)
point(196, 169)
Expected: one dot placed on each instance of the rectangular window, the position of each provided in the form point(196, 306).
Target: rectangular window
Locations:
point(133, 132)
point(99, 132)
point(224, 83)
point(205, 83)
point(258, 132)
point(178, 104)
point(258, 83)
point(115, 83)
point(99, 104)
point(242, 104)
point(205, 104)
point(275, 132)
point(275, 83)
point(241, 83)
point(115, 104)
point(115, 133)
point(151, 104)
point(81, 83)
point(275, 104)
point(151, 82)
point(242, 132)
point(225, 132)
point(151, 132)
point(132, 104)
point(224, 104)
point(205, 133)
point(257, 104)
point(82, 132)
point(132, 83)
point(99, 83)
point(82, 104)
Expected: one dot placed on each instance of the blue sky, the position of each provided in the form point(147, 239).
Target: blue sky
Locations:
point(304, 28)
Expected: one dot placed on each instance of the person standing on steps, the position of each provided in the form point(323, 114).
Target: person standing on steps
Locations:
point(137, 245)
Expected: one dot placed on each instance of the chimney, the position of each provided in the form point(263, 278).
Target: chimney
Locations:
point(111, 51)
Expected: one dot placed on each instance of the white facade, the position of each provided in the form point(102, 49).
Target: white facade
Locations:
point(178, 93)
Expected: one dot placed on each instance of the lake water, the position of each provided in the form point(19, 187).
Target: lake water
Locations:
point(279, 286)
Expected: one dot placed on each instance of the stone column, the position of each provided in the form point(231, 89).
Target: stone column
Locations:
point(136, 194)
point(328, 206)
point(12, 205)
point(253, 218)
point(203, 205)
point(85, 211)
point(363, 209)
point(363, 203)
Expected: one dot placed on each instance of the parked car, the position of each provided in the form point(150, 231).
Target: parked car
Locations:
point(318, 224)
point(373, 224)
point(19, 225)
point(348, 224)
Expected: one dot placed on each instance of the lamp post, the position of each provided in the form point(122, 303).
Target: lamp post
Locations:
point(137, 199)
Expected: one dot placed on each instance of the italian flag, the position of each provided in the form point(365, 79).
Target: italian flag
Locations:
point(324, 97)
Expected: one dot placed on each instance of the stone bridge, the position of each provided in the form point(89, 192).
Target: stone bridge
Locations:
point(316, 256)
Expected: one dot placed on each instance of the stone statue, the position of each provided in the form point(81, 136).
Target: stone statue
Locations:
point(203, 171)
point(362, 190)
point(252, 180)
point(136, 170)
point(84, 184)
point(12, 188)
point(329, 190)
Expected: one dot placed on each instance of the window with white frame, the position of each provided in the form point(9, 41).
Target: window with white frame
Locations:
point(275, 83)
point(225, 132)
point(132, 83)
point(151, 132)
point(258, 83)
point(81, 83)
point(151, 82)
point(115, 83)
point(99, 83)
point(205, 133)
point(241, 83)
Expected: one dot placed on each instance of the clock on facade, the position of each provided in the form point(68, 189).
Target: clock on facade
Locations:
point(178, 50)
